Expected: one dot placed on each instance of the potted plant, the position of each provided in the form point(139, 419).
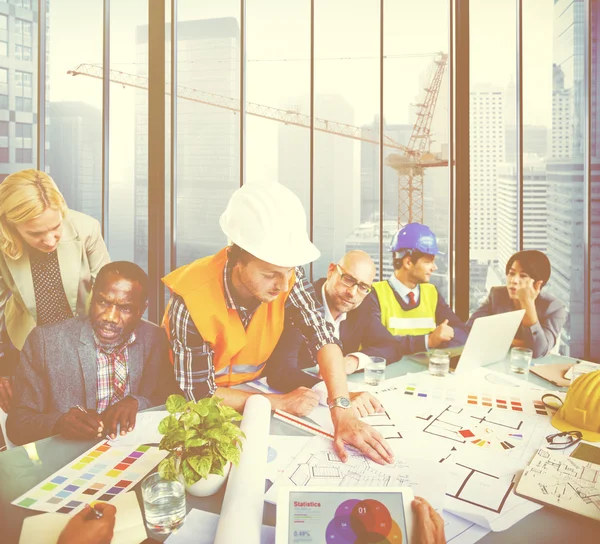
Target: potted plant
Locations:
point(203, 441)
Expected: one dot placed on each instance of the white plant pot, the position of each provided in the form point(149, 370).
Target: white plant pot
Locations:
point(209, 486)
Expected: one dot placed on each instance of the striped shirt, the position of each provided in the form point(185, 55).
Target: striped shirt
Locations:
point(193, 357)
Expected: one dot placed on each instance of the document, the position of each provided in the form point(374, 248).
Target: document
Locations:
point(129, 525)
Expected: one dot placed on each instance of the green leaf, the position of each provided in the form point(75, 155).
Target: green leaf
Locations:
point(230, 413)
point(168, 425)
point(195, 443)
point(215, 434)
point(175, 404)
point(201, 464)
point(189, 474)
point(189, 419)
point(167, 468)
point(201, 409)
point(230, 452)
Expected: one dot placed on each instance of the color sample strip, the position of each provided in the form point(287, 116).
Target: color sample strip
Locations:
point(422, 394)
point(517, 436)
point(465, 433)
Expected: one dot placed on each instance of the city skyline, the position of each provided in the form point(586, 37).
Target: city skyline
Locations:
point(346, 186)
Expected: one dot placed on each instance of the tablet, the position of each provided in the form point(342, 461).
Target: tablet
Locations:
point(344, 515)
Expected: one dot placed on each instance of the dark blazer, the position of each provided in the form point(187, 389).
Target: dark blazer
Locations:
point(57, 371)
point(542, 336)
point(360, 331)
point(416, 344)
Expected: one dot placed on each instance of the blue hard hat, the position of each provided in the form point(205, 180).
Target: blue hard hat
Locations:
point(415, 236)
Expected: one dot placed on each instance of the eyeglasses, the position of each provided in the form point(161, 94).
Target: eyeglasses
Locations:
point(564, 440)
point(349, 281)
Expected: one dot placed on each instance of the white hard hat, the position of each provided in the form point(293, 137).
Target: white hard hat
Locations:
point(268, 221)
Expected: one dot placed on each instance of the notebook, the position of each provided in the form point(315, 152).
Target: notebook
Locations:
point(565, 482)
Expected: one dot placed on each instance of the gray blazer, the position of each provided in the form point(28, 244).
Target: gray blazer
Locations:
point(57, 371)
point(542, 336)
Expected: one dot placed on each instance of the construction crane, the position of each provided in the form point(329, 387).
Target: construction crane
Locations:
point(410, 162)
point(410, 165)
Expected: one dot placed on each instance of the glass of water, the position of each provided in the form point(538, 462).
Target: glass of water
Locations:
point(164, 504)
point(520, 360)
point(439, 363)
point(375, 370)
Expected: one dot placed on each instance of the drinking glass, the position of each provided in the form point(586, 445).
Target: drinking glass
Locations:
point(164, 503)
point(375, 370)
point(439, 363)
point(520, 360)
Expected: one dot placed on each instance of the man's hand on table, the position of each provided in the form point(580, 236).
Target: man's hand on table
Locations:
point(349, 430)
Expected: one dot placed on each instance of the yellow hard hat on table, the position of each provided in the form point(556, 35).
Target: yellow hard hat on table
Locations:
point(581, 409)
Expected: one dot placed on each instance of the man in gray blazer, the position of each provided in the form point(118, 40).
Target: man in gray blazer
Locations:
point(85, 377)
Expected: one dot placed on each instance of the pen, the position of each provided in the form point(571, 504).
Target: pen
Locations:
point(94, 514)
point(85, 412)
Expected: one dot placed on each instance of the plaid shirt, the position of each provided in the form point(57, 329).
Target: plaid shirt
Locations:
point(105, 360)
point(193, 357)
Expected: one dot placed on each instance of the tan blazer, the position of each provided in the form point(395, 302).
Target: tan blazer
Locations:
point(81, 254)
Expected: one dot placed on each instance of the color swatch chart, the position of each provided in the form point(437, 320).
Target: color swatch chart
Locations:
point(100, 474)
point(509, 400)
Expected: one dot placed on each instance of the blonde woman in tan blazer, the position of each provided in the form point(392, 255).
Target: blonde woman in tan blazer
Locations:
point(49, 258)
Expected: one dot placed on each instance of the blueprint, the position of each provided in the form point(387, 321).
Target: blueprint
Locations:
point(562, 481)
point(318, 465)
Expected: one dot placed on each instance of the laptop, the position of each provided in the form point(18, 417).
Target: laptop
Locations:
point(488, 342)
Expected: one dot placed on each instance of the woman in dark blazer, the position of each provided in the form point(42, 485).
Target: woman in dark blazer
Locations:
point(526, 273)
point(49, 258)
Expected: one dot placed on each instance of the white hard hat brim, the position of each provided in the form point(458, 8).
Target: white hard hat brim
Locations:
point(300, 254)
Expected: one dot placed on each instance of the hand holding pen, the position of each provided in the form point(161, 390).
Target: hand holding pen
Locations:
point(80, 424)
point(91, 526)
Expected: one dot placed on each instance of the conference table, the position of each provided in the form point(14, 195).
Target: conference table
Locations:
point(23, 467)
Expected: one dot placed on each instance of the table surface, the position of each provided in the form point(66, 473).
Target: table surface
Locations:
point(23, 467)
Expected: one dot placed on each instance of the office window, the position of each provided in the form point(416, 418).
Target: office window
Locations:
point(595, 181)
point(3, 88)
point(208, 154)
point(23, 91)
point(22, 3)
point(493, 75)
point(23, 142)
point(410, 67)
point(22, 52)
point(346, 92)
point(74, 126)
point(128, 232)
point(4, 126)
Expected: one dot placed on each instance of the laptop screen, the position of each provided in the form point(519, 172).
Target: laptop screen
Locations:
point(342, 517)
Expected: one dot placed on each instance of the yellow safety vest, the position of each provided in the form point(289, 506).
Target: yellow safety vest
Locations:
point(415, 322)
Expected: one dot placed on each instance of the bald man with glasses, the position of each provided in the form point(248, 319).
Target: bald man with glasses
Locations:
point(361, 335)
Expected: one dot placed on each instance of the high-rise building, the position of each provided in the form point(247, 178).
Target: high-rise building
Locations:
point(535, 209)
point(18, 67)
point(76, 172)
point(369, 171)
point(565, 170)
point(487, 146)
point(335, 203)
point(535, 142)
point(207, 139)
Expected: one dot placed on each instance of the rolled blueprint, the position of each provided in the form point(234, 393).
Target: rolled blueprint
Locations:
point(243, 503)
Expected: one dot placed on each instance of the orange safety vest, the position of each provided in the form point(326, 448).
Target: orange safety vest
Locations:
point(239, 354)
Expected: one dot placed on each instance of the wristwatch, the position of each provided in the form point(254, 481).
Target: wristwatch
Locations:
point(342, 402)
